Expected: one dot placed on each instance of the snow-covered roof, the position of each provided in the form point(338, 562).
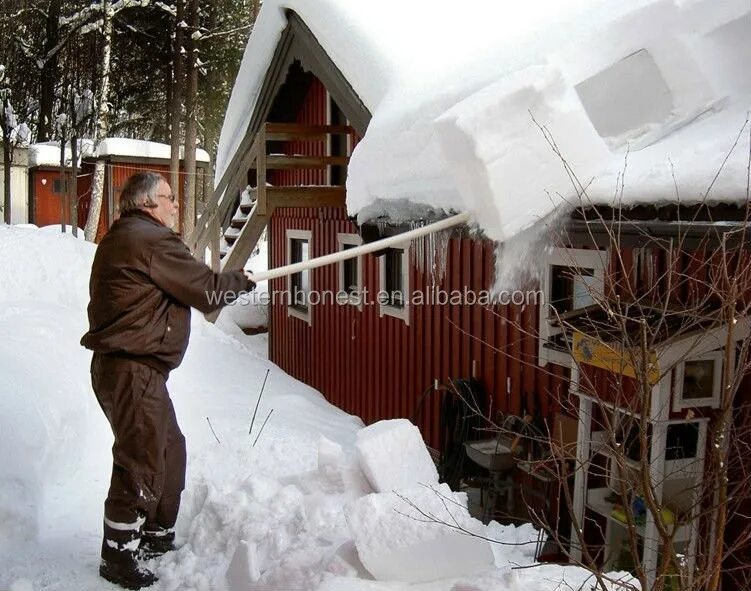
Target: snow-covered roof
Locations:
point(118, 146)
point(470, 102)
point(48, 153)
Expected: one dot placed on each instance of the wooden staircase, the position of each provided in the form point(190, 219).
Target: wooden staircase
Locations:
point(252, 217)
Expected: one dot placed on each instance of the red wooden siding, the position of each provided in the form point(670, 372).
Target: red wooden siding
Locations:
point(377, 367)
point(313, 112)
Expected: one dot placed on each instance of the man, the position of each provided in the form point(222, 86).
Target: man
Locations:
point(143, 283)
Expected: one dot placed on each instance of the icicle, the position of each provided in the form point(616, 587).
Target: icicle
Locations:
point(439, 250)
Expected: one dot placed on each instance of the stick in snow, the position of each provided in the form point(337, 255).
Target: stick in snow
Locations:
point(266, 420)
point(212, 430)
point(258, 402)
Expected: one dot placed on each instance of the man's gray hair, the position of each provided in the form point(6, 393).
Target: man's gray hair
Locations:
point(139, 191)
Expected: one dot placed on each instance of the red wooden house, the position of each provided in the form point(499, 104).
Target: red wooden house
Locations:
point(389, 357)
point(123, 157)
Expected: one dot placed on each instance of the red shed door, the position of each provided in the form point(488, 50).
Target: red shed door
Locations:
point(47, 192)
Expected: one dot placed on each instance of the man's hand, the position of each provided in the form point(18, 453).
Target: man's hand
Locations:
point(251, 283)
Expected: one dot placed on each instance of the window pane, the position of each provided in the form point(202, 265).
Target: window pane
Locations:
point(570, 289)
point(349, 269)
point(582, 293)
point(394, 261)
point(698, 379)
point(682, 441)
point(300, 282)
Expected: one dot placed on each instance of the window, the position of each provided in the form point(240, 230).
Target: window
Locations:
point(60, 186)
point(394, 288)
point(570, 288)
point(350, 272)
point(698, 382)
point(571, 278)
point(298, 284)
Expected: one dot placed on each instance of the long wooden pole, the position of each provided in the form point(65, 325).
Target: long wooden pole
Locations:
point(350, 253)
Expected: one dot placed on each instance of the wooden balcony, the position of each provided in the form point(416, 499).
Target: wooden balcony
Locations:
point(252, 218)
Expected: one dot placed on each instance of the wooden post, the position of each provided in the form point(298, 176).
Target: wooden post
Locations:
point(216, 232)
point(261, 171)
point(583, 451)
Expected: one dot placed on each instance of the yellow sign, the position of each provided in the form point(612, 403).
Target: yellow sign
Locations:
point(593, 352)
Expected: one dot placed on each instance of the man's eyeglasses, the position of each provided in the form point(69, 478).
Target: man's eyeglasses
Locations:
point(172, 197)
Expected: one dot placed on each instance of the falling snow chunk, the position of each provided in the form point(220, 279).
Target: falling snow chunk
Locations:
point(657, 89)
point(418, 535)
point(393, 455)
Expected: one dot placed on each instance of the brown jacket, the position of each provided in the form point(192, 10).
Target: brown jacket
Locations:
point(143, 283)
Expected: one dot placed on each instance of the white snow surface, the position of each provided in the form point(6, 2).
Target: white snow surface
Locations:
point(48, 153)
point(418, 534)
point(251, 310)
point(393, 456)
point(275, 512)
point(655, 89)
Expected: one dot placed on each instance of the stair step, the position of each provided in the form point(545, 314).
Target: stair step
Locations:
point(246, 208)
point(238, 222)
point(295, 131)
point(285, 162)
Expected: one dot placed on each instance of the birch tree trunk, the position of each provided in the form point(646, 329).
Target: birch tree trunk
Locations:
point(5, 124)
point(102, 126)
point(189, 207)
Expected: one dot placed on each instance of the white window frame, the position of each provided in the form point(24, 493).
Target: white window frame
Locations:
point(345, 298)
point(594, 260)
point(304, 315)
point(385, 309)
point(679, 403)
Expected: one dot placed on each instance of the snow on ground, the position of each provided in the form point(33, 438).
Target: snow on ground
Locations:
point(274, 511)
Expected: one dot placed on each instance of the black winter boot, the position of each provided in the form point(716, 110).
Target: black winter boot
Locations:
point(156, 543)
point(127, 574)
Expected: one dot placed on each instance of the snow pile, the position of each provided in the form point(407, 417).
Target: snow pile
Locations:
point(411, 529)
point(418, 535)
point(393, 456)
point(262, 510)
point(43, 301)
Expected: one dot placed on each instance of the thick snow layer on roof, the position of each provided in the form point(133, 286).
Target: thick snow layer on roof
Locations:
point(119, 146)
point(48, 153)
point(391, 52)
point(468, 103)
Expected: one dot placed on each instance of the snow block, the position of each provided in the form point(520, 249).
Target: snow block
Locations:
point(412, 535)
point(393, 456)
point(243, 569)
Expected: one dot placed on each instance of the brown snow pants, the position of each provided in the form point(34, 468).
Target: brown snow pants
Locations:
point(148, 468)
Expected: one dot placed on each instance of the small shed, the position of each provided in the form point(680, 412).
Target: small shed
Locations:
point(123, 157)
